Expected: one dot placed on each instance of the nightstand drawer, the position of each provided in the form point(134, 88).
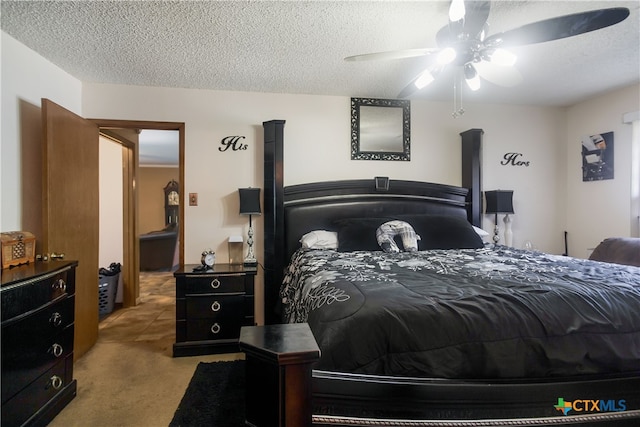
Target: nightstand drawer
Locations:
point(215, 306)
point(213, 284)
point(212, 329)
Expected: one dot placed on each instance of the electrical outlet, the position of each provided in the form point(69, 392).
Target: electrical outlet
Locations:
point(193, 199)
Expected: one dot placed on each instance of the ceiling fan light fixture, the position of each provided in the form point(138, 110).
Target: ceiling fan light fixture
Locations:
point(424, 79)
point(471, 77)
point(456, 10)
point(446, 56)
point(503, 57)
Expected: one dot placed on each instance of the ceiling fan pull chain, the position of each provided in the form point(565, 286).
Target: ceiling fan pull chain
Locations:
point(457, 95)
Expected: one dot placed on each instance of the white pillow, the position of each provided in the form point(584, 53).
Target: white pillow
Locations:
point(480, 232)
point(320, 239)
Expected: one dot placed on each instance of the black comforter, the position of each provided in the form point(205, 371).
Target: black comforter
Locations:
point(477, 313)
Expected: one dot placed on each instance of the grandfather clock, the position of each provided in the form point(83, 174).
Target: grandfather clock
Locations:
point(171, 204)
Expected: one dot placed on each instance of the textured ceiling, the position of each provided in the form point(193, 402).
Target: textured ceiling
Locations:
point(299, 46)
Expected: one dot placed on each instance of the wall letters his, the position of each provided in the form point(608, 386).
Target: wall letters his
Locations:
point(232, 142)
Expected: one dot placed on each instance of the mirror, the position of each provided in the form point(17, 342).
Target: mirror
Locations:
point(380, 129)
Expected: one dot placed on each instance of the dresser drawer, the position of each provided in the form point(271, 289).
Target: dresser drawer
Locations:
point(23, 297)
point(41, 324)
point(207, 284)
point(27, 360)
point(45, 387)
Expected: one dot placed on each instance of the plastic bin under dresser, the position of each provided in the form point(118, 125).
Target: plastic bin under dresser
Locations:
point(37, 341)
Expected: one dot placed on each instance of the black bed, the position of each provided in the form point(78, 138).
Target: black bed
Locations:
point(511, 337)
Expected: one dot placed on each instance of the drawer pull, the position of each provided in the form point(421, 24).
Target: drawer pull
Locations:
point(215, 306)
point(215, 328)
point(56, 382)
point(56, 319)
point(215, 283)
point(59, 284)
point(57, 350)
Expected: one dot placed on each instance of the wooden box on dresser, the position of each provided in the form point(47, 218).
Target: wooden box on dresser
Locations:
point(211, 307)
point(37, 341)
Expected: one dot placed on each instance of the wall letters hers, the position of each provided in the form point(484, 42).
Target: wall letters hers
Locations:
point(514, 159)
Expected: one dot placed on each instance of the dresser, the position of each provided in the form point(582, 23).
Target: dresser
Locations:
point(211, 307)
point(37, 341)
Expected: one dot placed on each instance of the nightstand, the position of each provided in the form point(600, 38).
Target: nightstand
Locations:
point(211, 307)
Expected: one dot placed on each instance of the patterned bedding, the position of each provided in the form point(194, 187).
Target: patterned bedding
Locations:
point(494, 312)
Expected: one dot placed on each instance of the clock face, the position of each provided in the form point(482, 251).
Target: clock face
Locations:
point(210, 259)
point(173, 199)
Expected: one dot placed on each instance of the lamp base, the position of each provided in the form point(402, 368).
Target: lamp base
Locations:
point(508, 234)
point(250, 262)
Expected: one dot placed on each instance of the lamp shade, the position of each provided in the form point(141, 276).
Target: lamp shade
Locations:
point(499, 201)
point(249, 201)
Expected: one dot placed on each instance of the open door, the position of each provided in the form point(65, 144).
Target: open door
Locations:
point(70, 213)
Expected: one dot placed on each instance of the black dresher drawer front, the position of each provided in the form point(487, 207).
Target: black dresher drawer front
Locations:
point(215, 306)
point(22, 299)
point(23, 363)
point(26, 403)
point(211, 284)
point(40, 325)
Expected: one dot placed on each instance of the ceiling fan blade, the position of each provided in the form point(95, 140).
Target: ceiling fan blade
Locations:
point(476, 17)
point(497, 74)
point(394, 54)
point(448, 34)
point(559, 27)
point(409, 89)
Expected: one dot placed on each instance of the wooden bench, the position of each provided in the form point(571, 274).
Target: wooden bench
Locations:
point(278, 374)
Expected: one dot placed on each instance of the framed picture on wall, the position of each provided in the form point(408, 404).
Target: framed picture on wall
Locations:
point(597, 157)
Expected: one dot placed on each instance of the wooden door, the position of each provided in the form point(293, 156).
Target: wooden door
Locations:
point(71, 209)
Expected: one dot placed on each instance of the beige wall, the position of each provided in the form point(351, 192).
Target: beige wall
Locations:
point(26, 78)
point(600, 209)
point(317, 147)
point(151, 182)
point(548, 195)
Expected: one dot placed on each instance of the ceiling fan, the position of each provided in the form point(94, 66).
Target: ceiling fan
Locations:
point(464, 44)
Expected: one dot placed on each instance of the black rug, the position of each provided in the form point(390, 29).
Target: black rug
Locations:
point(214, 397)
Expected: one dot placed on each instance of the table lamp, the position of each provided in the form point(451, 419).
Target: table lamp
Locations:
point(250, 205)
point(500, 201)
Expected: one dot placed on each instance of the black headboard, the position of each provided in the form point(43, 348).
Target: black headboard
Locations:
point(318, 205)
point(290, 212)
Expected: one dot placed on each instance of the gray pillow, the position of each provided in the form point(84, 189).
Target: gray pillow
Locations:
point(386, 233)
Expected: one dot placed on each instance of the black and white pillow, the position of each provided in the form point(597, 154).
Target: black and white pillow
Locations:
point(386, 233)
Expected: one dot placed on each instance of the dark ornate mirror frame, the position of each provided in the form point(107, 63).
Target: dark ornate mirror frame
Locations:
point(357, 153)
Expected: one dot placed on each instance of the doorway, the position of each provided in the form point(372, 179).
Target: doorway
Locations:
point(126, 133)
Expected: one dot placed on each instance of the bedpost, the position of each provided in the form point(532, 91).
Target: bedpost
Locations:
point(472, 173)
point(273, 216)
